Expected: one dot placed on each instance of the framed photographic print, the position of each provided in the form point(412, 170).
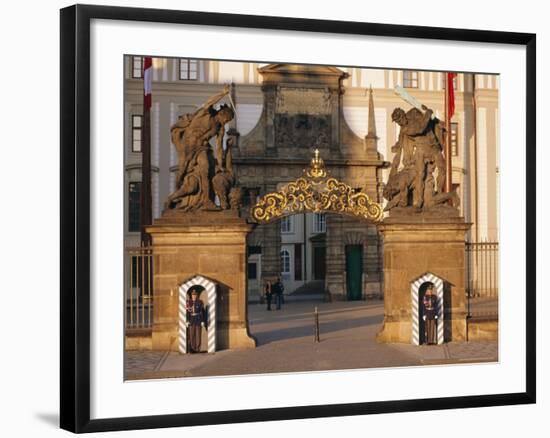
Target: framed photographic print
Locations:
point(282, 218)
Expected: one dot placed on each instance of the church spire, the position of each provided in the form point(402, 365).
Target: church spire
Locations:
point(371, 140)
point(371, 126)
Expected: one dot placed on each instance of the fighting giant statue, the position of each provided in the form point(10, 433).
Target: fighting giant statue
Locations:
point(201, 175)
point(418, 156)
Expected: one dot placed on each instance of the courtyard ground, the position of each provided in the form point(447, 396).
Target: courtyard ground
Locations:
point(286, 344)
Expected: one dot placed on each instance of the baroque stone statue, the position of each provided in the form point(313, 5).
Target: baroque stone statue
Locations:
point(201, 175)
point(224, 179)
point(417, 174)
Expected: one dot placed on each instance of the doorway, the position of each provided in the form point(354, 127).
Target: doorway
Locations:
point(319, 262)
point(354, 272)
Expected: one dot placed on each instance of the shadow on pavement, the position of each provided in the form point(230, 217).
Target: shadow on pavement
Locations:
point(258, 316)
point(279, 334)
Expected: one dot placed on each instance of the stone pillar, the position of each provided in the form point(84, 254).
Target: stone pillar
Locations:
point(270, 96)
point(414, 246)
point(211, 244)
point(372, 263)
point(336, 97)
point(271, 251)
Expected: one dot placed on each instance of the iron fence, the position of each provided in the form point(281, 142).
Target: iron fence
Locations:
point(138, 290)
point(482, 286)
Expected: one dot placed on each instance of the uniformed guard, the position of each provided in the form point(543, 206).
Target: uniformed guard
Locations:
point(196, 318)
point(430, 314)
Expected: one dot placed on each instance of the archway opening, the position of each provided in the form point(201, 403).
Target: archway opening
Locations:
point(310, 241)
point(422, 323)
point(198, 302)
point(427, 315)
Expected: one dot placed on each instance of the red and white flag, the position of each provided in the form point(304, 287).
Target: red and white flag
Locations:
point(451, 95)
point(147, 82)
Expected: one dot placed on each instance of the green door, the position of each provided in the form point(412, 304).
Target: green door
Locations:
point(354, 271)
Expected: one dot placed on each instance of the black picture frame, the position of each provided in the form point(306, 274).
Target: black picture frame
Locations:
point(75, 217)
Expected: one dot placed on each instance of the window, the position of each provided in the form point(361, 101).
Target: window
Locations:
point(443, 79)
point(137, 67)
point(454, 139)
point(189, 69)
point(410, 79)
point(286, 224)
point(137, 122)
point(319, 223)
point(285, 262)
point(134, 198)
point(252, 271)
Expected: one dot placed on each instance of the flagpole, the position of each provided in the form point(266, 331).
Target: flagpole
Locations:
point(146, 215)
point(448, 153)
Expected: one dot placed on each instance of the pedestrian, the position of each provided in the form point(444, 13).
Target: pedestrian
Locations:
point(268, 293)
point(429, 315)
point(196, 319)
point(278, 289)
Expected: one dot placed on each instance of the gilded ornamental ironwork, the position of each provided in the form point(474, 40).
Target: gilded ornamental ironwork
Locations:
point(316, 192)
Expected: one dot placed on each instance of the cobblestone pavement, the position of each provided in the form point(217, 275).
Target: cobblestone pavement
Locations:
point(452, 352)
point(286, 344)
point(473, 350)
point(140, 362)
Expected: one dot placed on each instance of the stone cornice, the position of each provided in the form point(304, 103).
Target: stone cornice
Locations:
point(188, 88)
point(268, 161)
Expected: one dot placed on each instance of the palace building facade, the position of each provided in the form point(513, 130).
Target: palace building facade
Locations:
point(283, 113)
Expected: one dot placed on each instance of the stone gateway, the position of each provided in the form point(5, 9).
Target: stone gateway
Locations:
point(204, 231)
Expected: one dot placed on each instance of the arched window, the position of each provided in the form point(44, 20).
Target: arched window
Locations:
point(285, 261)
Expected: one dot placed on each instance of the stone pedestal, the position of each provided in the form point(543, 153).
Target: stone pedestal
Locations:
point(413, 247)
point(211, 244)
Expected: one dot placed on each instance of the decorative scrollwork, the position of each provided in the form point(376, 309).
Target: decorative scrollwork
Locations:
point(316, 193)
